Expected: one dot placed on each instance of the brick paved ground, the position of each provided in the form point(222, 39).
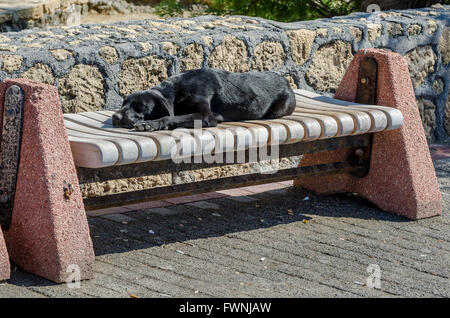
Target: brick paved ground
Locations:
point(279, 243)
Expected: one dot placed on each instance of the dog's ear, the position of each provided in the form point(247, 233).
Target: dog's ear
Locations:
point(162, 101)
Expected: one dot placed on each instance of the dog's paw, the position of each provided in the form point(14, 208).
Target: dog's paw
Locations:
point(147, 126)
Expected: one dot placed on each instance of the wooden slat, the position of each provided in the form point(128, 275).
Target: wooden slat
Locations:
point(204, 140)
point(248, 134)
point(364, 121)
point(345, 122)
point(311, 126)
point(189, 141)
point(278, 133)
point(165, 141)
point(393, 116)
point(328, 125)
point(99, 116)
point(128, 150)
point(225, 137)
point(147, 148)
point(295, 130)
point(93, 153)
point(224, 140)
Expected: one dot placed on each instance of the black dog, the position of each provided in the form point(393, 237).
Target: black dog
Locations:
point(208, 95)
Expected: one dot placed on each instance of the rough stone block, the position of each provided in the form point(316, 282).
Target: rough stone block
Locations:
point(49, 229)
point(401, 177)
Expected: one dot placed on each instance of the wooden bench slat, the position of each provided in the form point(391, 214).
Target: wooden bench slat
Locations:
point(346, 123)
point(295, 130)
point(127, 149)
point(258, 136)
point(394, 116)
point(365, 121)
point(99, 116)
point(224, 139)
point(162, 142)
point(328, 124)
point(165, 140)
point(147, 147)
point(311, 126)
point(187, 143)
point(278, 133)
point(93, 153)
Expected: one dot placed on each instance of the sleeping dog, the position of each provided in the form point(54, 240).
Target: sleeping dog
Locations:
point(209, 95)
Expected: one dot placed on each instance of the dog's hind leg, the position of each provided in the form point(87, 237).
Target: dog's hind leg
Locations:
point(284, 105)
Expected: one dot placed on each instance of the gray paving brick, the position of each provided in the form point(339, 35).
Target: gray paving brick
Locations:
point(242, 198)
point(163, 211)
point(205, 205)
point(118, 217)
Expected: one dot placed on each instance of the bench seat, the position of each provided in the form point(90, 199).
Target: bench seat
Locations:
point(95, 143)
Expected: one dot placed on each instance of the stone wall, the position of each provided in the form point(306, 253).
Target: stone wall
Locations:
point(95, 66)
point(19, 15)
point(25, 14)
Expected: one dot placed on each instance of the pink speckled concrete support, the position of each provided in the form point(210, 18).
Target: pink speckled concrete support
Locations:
point(401, 177)
point(49, 231)
point(4, 259)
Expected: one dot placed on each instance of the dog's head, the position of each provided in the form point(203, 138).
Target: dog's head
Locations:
point(140, 106)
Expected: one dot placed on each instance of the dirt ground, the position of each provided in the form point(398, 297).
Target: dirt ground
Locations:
point(94, 18)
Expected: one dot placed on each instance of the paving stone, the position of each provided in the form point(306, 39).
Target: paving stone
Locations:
point(147, 205)
point(118, 218)
point(215, 195)
point(205, 205)
point(235, 192)
point(264, 187)
point(100, 212)
point(187, 199)
point(163, 211)
point(242, 198)
point(276, 192)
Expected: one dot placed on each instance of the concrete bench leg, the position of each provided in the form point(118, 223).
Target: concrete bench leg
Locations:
point(49, 229)
point(4, 260)
point(401, 179)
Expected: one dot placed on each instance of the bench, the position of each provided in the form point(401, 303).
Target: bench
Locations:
point(352, 143)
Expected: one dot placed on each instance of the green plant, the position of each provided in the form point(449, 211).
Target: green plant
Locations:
point(169, 8)
point(285, 10)
point(172, 8)
point(279, 10)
